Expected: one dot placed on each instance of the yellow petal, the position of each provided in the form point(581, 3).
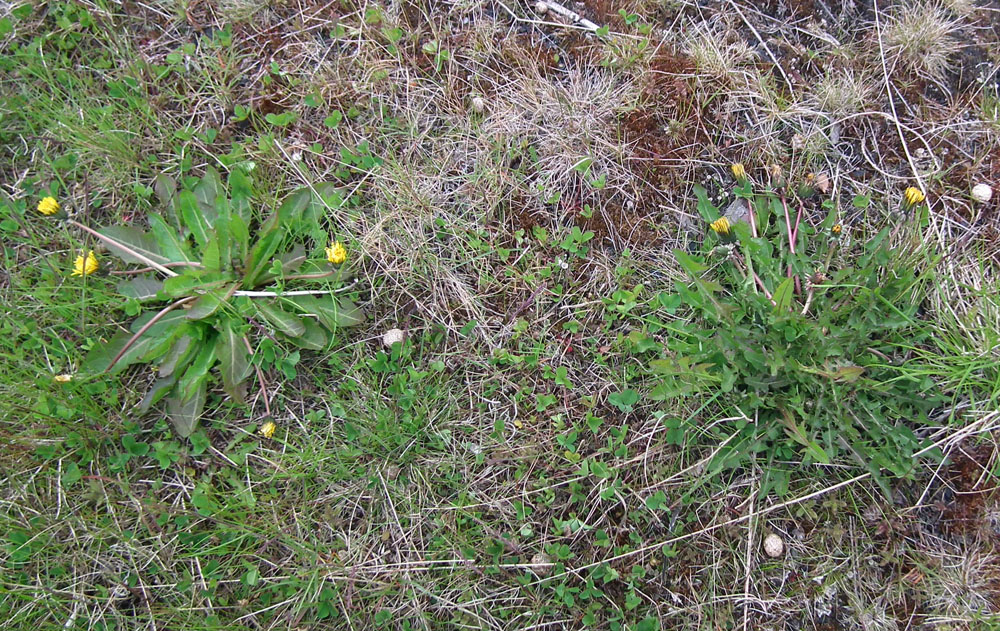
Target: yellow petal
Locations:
point(336, 253)
point(721, 226)
point(48, 206)
point(913, 196)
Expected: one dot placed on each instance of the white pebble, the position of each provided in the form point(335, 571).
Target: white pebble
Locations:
point(541, 564)
point(773, 545)
point(982, 193)
point(392, 336)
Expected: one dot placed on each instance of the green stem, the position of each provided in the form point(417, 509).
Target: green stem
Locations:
point(260, 378)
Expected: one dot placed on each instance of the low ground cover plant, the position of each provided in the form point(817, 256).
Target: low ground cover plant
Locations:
point(807, 348)
point(226, 279)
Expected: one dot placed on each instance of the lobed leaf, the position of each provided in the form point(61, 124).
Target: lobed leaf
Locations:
point(141, 288)
point(198, 369)
point(234, 359)
point(207, 191)
point(783, 295)
point(263, 250)
point(290, 325)
point(205, 306)
point(241, 191)
point(160, 388)
point(314, 337)
point(331, 311)
point(195, 218)
point(240, 237)
point(294, 206)
point(136, 240)
point(166, 192)
point(180, 353)
point(168, 239)
point(185, 412)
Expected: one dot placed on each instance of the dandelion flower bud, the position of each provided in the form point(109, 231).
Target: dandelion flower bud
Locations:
point(739, 171)
point(85, 265)
point(336, 253)
point(777, 176)
point(913, 196)
point(48, 206)
point(721, 226)
point(836, 229)
point(267, 429)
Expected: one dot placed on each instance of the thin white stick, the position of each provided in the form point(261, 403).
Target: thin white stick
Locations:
point(276, 294)
point(570, 15)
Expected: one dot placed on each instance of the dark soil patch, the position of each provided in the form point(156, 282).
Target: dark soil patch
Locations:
point(968, 488)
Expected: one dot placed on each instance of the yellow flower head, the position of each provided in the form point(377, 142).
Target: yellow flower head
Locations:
point(721, 226)
point(63, 378)
point(836, 229)
point(913, 196)
point(739, 171)
point(336, 253)
point(267, 429)
point(85, 265)
point(48, 206)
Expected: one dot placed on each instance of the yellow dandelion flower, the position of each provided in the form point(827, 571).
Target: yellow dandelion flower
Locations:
point(721, 226)
point(48, 206)
point(63, 378)
point(836, 229)
point(913, 196)
point(336, 253)
point(739, 171)
point(267, 429)
point(85, 265)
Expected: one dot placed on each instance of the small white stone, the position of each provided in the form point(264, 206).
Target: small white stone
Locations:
point(773, 545)
point(982, 193)
point(541, 564)
point(392, 336)
point(478, 104)
point(541, 8)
